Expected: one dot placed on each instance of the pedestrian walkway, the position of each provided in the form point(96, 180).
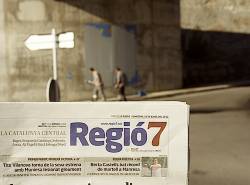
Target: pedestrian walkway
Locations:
point(170, 93)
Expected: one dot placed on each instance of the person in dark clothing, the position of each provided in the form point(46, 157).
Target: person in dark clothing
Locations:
point(120, 84)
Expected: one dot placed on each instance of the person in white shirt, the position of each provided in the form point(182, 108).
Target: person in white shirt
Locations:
point(97, 82)
point(120, 84)
point(156, 169)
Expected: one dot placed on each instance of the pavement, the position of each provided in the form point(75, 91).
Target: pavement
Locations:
point(169, 93)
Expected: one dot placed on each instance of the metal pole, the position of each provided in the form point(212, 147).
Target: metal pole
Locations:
point(54, 54)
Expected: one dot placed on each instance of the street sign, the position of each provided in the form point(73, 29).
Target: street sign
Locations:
point(51, 41)
point(66, 40)
point(41, 42)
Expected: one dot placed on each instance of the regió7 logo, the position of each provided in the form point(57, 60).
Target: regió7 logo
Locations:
point(115, 139)
point(162, 126)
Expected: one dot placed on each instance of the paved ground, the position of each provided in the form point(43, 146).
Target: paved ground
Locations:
point(219, 136)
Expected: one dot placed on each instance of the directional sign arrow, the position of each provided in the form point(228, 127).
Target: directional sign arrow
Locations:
point(41, 42)
point(66, 40)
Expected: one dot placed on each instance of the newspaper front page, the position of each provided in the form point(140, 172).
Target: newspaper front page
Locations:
point(144, 143)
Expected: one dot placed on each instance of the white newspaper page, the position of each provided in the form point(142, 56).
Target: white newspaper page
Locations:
point(131, 143)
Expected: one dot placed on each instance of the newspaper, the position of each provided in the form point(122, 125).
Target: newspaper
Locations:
point(94, 143)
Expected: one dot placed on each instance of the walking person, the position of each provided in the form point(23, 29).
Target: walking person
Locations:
point(120, 84)
point(97, 82)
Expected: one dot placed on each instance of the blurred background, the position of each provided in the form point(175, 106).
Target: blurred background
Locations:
point(196, 51)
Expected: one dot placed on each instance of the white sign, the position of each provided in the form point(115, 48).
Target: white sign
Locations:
point(41, 42)
point(98, 143)
point(37, 42)
point(51, 41)
point(66, 40)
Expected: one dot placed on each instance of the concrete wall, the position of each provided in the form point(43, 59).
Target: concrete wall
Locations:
point(158, 56)
point(3, 67)
point(215, 41)
point(215, 57)
point(216, 15)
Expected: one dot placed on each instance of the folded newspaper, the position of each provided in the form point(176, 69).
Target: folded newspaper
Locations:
point(132, 143)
